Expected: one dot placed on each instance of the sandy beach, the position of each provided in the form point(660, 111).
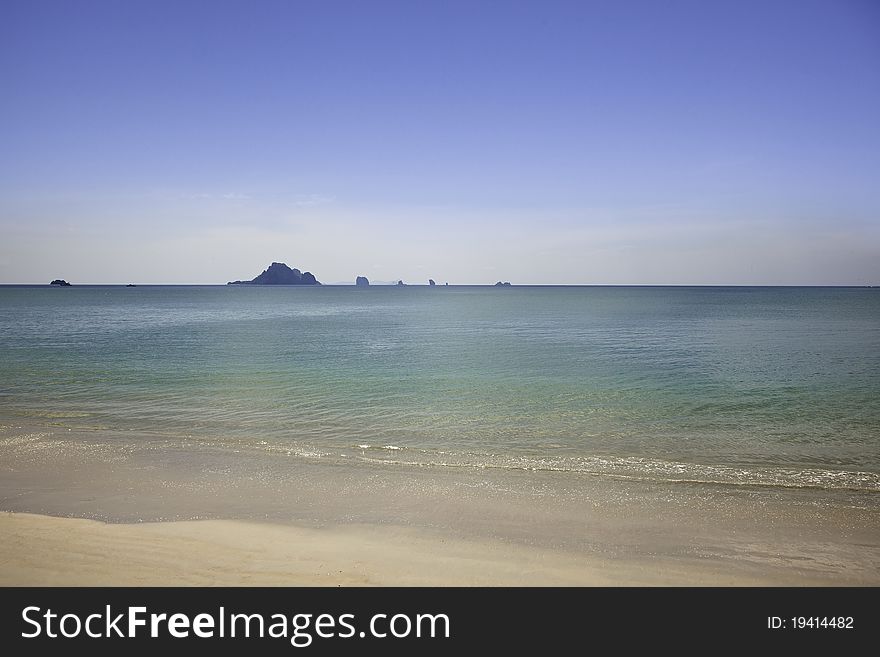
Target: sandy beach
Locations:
point(46, 551)
point(41, 550)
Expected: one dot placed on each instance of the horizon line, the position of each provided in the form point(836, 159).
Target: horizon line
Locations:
point(352, 284)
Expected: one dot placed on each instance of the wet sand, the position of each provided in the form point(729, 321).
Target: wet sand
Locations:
point(97, 509)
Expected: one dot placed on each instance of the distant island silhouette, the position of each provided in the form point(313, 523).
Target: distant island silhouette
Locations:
point(279, 273)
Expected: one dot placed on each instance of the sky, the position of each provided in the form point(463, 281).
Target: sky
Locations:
point(607, 142)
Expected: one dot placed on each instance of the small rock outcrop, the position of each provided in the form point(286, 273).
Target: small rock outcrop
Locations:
point(504, 284)
point(362, 281)
point(280, 274)
point(400, 283)
point(60, 282)
point(431, 282)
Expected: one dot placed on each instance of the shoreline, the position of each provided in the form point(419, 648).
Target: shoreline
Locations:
point(40, 550)
point(107, 509)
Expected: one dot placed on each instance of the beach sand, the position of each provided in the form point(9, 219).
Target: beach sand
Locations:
point(47, 551)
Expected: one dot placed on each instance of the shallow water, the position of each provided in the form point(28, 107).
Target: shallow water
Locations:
point(734, 386)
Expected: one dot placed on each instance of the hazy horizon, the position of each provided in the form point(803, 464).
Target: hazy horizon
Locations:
point(643, 143)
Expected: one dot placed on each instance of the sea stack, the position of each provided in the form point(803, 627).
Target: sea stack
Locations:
point(362, 281)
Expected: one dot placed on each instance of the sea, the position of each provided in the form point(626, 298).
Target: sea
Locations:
point(762, 387)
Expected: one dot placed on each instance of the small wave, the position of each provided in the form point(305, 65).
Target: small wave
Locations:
point(644, 469)
point(630, 467)
point(394, 448)
point(52, 414)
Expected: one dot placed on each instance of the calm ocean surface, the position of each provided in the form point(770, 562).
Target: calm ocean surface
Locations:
point(754, 386)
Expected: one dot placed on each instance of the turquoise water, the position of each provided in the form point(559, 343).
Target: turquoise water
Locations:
point(754, 386)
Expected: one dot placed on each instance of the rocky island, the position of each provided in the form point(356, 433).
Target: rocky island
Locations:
point(362, 281)
point(279, 273)
point(60, 282)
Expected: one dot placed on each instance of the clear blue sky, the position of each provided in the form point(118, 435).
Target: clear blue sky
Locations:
point(536, 142)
